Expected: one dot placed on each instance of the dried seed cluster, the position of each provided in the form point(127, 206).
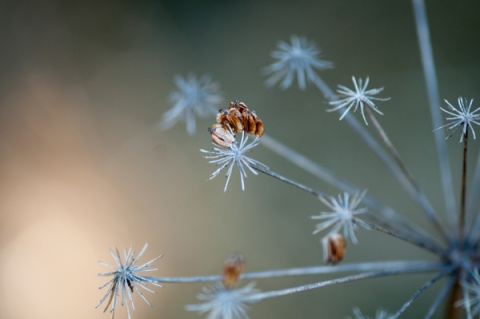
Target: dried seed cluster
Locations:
point(236, 118)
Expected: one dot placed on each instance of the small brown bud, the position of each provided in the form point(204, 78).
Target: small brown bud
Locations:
point(232, 269)
point(334, 247)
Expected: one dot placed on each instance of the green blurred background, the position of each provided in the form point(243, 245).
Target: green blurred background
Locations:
point(84, 168)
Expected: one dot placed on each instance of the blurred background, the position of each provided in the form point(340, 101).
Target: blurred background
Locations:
point(84, 167)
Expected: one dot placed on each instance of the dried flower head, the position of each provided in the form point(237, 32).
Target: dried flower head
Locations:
point(194, 97)
point(232, 156)
point(126, 279)
point(461, 117)
point(381, 314)
point(357, 98)
point(224, 303)
point(300, 57)
point(343, 215)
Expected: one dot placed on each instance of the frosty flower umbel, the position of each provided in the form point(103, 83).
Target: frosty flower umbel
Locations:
point(451, 243)
point(300, 57)
point(193, 98)
point(358, 98)
point(343, 215)
point(461, 117)
point(127, 279)
point(233, 156)
point(224, 303)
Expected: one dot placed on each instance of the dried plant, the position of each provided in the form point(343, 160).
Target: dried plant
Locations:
point(454, 242)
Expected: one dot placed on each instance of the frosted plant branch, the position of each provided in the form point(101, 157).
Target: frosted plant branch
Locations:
point(331, 178)
point(267, 171)
point(302, 59)
point(358, 98)
point(428, 65)
point(421, 290)
point(421, 198)
point(423, 244)
point(357, 277)
point(315, 270)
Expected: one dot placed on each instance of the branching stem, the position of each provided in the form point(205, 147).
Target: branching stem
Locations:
point(419, 196)
point(412, 266)
point(267, 171)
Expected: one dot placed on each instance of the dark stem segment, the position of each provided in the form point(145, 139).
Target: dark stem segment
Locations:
point(456, 294)
point(453, 312)
point(464, 191)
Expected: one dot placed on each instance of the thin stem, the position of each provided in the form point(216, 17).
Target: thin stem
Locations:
point(366, 275)
point(287, 180)
point(420, 291)
point(384, 158)
point(426, 53)
point(416, 242)
point(406, 232)
point(329, 177)
point(415, 192)
point(315, 270)
point(380, 153)
point(306, 164)
point(440, 297)
point(324, 88)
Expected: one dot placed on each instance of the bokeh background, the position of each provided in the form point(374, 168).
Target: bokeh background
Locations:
point(84, 167)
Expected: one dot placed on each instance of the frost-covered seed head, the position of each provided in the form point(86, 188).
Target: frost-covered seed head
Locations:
point(127, 279)
point(300, 57)
point(461, 117)
point(224, 303)
point(193, 98)
point(344, 214)
point(357, 98)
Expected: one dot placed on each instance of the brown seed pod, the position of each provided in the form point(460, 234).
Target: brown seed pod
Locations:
point(231, 117)
point(334, 247)
point(252, 124)
point(232, 269)
point(259, 128)
point(242, 107)
point(222, 135)
point(249, 122)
